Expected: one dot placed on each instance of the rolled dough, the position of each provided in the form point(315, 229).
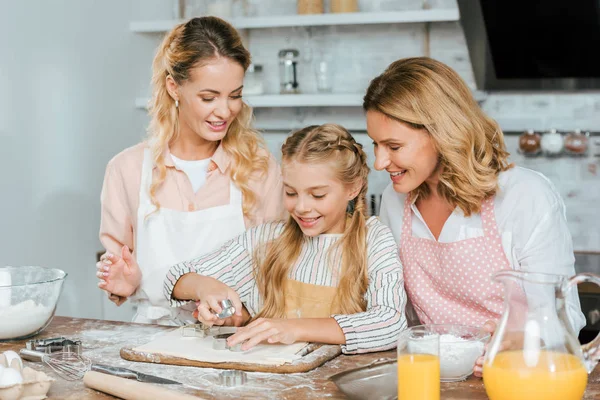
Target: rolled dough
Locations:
point(173, 343)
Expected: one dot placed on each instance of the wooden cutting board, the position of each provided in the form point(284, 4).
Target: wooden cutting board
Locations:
point(317, 355)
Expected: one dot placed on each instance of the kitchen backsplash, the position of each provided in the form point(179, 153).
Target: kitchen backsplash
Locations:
point(358, 53)
point(576, 178)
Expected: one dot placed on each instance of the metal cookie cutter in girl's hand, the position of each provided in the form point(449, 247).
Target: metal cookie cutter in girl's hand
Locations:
point(227, 309)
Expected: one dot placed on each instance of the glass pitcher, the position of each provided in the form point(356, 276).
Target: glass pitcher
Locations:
point(534, 353)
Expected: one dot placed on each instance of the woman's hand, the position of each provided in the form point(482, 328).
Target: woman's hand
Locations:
point(119, 276)
point(209, 292)
point(490, 327)
point(286, 331)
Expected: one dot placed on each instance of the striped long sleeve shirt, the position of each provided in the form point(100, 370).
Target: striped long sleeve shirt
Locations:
point(375, 329)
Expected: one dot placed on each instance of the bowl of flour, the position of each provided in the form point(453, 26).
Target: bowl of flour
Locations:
point(460, 347)
point(28, 298)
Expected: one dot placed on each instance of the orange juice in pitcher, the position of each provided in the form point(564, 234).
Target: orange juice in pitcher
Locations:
point(545, 375)
point(534, 353)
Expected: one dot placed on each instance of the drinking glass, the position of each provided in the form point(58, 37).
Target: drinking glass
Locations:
point(419, 364)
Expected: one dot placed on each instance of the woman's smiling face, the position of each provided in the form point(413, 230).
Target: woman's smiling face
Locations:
point(407, 154)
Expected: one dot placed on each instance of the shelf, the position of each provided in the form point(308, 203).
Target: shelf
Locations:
point(358, 18)
point(305, 100)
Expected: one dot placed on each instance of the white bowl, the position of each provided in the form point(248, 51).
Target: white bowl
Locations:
point(28, 297)
point(460, 347)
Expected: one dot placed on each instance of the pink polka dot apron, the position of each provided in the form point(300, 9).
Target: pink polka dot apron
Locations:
point(451, 283)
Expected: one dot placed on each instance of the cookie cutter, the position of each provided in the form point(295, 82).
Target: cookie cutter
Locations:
point(52, 345)
point(201, 330)
point(237, 347)
point(232, 378)
point(220, 341)
point(227, 309)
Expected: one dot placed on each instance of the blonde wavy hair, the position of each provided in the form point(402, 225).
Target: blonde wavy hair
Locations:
point(187, 46)
point(427, 94)
point(333, 146)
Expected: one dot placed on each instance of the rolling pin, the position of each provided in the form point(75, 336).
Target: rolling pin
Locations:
point(129, 389)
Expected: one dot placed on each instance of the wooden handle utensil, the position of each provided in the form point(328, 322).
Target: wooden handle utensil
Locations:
point(129, 389)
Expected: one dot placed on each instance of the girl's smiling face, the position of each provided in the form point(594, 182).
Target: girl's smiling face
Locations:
point(315, 198)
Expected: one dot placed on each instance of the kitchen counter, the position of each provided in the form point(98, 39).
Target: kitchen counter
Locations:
point(102, 341)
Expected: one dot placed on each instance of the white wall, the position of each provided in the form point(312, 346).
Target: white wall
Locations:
point(68, 73)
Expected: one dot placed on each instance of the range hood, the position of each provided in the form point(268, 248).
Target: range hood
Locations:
point(533, 44)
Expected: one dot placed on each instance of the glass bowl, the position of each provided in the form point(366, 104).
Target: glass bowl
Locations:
point(28, 298)
point(460, 347)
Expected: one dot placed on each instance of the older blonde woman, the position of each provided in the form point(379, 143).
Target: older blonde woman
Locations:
point(456, 207)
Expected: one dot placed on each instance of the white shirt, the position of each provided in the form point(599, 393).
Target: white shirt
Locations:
point(195, 170)
point(531, 219)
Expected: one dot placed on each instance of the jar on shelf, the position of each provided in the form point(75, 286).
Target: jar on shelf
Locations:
point(530, 143)
point(288, 71)
point(552, 143)
point(253, 81)
point(344, 6)
point(310, 6)
point(576, 143)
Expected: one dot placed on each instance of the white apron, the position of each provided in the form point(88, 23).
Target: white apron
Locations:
point(167, 237)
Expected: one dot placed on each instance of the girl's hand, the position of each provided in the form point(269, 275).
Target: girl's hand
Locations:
point(235, 320)
point(490, 327)
point(119, 276)
point(284, 331)
point(209, 292)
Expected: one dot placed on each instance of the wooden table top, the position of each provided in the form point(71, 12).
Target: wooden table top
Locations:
point(102, 341)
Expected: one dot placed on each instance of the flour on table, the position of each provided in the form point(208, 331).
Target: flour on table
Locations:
point(200, 349)
point(23, 318)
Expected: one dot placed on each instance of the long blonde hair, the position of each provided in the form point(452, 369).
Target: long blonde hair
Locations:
point(187, 46)
point(427, 94)
point(333, 146)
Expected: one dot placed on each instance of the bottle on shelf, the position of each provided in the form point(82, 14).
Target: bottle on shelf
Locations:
point(576, 142)
point(310, 6)
point(552, 143)
point(288, 71)
point(344, 6)
point(530, 143)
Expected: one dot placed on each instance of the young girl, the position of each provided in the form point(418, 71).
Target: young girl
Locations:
point(458, 210)
point(328, 274)
point(203, 177)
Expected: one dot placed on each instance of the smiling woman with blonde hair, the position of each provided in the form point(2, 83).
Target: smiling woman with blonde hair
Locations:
point(202, 177)
point(457, 208)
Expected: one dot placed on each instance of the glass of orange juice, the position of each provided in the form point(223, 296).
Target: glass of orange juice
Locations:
point(419, 364)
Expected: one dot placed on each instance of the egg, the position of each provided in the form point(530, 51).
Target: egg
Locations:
point(10, 377)
point(10, 356)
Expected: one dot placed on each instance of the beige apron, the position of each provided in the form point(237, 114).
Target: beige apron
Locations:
point(305, 300)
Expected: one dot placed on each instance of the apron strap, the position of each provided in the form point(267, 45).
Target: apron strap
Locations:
point(235, 194)
point(407, 218)
point(488, 219)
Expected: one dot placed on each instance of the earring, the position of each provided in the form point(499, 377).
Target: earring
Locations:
point(176, 103)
